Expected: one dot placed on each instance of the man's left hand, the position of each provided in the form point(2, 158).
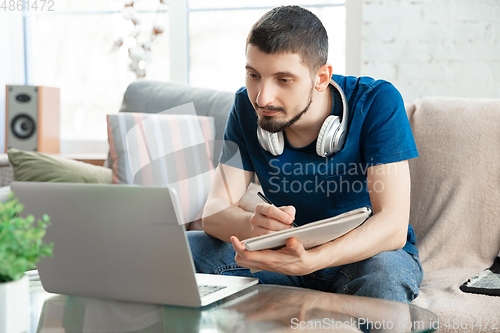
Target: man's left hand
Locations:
point(292, 259)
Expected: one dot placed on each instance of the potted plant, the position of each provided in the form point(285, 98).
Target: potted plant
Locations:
point(21, 247)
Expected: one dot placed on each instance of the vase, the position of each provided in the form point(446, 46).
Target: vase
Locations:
point(15, 306)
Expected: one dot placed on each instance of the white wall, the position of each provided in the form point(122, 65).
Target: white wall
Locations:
point(433, 47)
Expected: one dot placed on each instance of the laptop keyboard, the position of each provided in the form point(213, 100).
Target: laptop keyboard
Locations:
point(208, 289)
point(203, 289)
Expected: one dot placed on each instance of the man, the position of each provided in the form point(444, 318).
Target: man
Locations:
point(288, 91)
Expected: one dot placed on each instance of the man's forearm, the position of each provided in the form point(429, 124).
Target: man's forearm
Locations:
point(229, 221)
point(386, 230)
point(380, 233)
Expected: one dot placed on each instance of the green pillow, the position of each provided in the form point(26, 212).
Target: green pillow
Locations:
point(30, 166)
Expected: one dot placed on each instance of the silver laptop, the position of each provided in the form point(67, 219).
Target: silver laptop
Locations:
point(120, 242)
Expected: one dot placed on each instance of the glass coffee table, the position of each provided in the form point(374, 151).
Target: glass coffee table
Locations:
point(261, 308)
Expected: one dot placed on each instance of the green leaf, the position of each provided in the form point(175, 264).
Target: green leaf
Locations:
point(21, 245)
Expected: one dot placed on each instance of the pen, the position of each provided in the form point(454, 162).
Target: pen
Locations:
point(266, 200)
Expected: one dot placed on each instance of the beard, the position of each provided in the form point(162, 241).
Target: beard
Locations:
point(269, 124)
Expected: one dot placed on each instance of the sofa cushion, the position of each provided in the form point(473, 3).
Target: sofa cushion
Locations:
point(38, 167)
point(455, 181)
point(155, 96)
point(454, 203)
point(164, 150)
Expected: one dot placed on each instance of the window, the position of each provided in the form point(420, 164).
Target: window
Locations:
point(217, 36)
point(71, 48)
point(203, 45)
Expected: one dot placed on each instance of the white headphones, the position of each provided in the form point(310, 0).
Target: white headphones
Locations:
point(331, 136)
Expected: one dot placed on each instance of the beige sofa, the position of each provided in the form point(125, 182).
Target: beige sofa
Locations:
point(455, 206)
point(455, 191)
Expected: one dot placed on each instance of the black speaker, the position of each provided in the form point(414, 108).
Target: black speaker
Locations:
point(32, 118)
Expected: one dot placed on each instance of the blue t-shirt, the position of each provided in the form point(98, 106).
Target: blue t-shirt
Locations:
point(378, 133)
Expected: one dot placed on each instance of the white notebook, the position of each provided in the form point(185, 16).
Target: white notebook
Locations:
point(312, 234)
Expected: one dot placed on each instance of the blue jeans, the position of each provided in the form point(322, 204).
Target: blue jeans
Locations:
point(393, 275)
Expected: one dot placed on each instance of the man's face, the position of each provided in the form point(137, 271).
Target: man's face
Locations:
point(279, 87)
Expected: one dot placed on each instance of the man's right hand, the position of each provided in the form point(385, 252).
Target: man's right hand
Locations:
point(268, 218)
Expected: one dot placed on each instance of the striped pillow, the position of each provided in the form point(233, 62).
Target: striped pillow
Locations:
point(164, 150)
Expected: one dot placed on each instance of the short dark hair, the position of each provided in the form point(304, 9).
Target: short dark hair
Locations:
point(291, 29)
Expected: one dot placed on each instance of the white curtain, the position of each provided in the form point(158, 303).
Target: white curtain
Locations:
point(11, 59)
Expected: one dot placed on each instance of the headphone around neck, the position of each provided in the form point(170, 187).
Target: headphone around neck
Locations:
point(331, 136)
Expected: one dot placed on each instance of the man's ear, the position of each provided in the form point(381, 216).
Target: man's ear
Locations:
point(323, 77)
